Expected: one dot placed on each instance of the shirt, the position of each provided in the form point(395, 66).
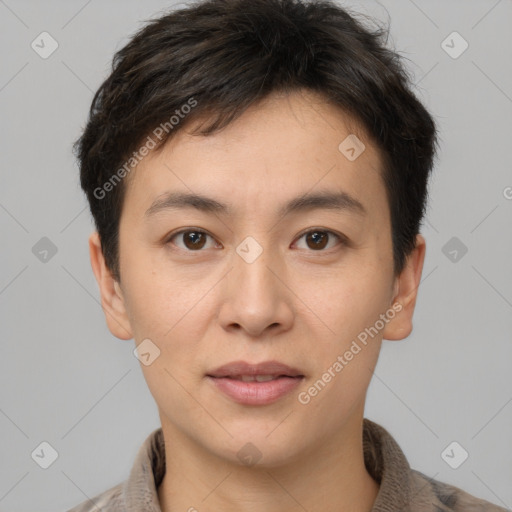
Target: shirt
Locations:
point(401, 488)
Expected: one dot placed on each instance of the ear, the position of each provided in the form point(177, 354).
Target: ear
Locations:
point(112, 300)
point(406, 290)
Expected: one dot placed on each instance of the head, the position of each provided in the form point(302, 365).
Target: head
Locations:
point(292, 124)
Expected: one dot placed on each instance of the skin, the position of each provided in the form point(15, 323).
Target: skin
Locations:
point(295, 303)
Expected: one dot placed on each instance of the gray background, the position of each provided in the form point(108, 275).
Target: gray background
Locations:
point(66, 380)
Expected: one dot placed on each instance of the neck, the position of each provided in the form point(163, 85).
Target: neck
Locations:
point(331, 477)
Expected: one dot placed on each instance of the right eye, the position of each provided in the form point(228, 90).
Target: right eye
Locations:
point(193, 240)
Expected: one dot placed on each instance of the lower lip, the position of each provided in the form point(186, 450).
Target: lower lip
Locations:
point(256, 393)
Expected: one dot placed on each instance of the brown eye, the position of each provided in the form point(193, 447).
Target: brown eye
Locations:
point(191, 240)
point(318, 239)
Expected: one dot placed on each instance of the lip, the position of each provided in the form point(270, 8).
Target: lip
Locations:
point(225, 379)
point(274, 368)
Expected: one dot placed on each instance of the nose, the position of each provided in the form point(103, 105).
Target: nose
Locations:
point(256, 297)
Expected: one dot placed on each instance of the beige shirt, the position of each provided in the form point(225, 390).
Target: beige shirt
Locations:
point(402, 489)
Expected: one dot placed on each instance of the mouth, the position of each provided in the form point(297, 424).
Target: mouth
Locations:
point(255, 384)
point(253, 378)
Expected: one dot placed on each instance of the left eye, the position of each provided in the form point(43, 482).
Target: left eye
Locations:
point(193, 239)
point(318, 239)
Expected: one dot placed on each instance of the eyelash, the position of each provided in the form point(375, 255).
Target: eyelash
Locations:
point(343, 241)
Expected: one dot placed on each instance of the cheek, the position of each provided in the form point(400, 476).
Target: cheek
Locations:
point(179, 365)
point(347, 303)
point(338, 391)
point(158, 302)
point(176, 323)
point(346, 352)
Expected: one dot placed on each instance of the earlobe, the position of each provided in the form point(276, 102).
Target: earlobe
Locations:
point(112, 299)
point(406, 292)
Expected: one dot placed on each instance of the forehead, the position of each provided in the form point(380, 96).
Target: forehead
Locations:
point(280, 147)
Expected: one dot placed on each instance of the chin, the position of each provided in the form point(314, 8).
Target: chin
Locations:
point(259, 450)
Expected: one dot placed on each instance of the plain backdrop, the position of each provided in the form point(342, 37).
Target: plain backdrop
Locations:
point(66, 381)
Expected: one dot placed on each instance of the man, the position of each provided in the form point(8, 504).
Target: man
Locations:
point(257, 171)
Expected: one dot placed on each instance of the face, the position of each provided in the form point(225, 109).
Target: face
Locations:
point(287, 258)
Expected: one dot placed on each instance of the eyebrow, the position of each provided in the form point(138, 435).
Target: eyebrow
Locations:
point(323, 200)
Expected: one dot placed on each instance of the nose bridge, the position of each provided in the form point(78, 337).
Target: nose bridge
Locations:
point(255, 298)
point(252, 274)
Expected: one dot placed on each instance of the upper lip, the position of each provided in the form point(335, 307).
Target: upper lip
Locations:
point(238, 368)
